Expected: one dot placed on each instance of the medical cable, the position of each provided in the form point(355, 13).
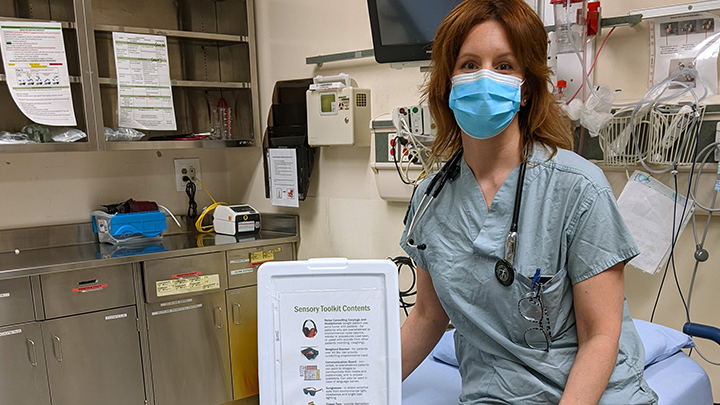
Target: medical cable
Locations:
point(699, 247)
point(671, 259)
point(414, 149)
point(199, 222)
point(192, 205)
point(400, 262)
point(171, 215)
point(699, 244)
point(676, 235)
point(402, 176)
point(700, 252)
point(705, 153)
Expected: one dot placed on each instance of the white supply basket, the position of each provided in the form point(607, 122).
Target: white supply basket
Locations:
point(672, 134)
point(620, 142)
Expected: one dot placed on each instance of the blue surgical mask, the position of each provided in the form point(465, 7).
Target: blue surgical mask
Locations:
point(484, 102)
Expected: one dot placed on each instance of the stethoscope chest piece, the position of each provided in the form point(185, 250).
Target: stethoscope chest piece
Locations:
point(504, 272)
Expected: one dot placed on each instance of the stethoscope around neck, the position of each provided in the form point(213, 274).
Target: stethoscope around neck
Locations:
point(504, 271)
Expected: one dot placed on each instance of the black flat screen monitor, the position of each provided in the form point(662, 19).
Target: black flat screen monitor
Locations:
point(403, 30)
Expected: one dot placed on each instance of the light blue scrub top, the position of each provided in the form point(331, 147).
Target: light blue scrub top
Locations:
point(570, 228)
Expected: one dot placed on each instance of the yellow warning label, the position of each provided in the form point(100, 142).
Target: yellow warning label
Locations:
point(187, 285)
point(263, 256)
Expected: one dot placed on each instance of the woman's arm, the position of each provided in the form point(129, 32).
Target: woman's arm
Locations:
point(598, 303)
point(425, 325)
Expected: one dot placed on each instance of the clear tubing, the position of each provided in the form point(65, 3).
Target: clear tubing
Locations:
point(687, 88)
point(704, 155)
point(587, 79)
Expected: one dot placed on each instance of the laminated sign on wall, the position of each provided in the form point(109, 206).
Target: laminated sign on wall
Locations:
point(329, 332)
point(36, 71)
point(143, 75)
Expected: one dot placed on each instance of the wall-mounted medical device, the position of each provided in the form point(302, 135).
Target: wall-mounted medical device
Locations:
point(236, 219)
point(338, 112)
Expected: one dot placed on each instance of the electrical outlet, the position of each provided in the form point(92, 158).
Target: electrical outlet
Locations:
point(189, 168)
point(396, 148)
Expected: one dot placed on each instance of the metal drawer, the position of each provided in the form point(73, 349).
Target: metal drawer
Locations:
point(16, 301)
point(243, 263)
point(89, 290)
point(184, 276)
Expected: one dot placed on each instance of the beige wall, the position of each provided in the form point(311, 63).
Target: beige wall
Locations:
point(343, 214)
point(58, 188)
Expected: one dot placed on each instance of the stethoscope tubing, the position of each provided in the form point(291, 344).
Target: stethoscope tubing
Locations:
point(448, 172)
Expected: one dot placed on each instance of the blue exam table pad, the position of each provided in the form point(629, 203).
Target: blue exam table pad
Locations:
point(677, 379)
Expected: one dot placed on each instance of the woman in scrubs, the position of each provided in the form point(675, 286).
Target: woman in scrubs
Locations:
point(558, 329)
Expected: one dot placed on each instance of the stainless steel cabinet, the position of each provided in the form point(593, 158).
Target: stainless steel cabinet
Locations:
point(187, 328)
point(189, 350)
point(23, 377)
point(242, 311)
point(79, 291)
point(95, 358)
point(242, 321)
point(16, 301)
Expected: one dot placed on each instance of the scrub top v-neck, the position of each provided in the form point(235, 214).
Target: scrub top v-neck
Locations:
point(569, 228)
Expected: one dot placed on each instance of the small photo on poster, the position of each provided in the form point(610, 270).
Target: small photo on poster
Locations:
point(669, 29)
point(706, 25)
point(309, 328)
point(309, 352)
point(310, 372)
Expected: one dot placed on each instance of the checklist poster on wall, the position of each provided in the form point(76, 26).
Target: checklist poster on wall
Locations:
point(143, 80)
point(36, 71)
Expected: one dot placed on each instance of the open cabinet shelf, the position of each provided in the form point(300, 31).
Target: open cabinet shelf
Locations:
point(212, 60)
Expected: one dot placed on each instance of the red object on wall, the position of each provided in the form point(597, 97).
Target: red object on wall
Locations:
point(593, 18)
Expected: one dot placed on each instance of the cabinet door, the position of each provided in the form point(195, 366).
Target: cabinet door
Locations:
point(16, 301)
point(242, 314)
point(95, 358)
point(189, 350)
point(23, 377)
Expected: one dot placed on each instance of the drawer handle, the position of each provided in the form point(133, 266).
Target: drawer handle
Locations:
point(86, 282)
point(57, 348)
point(217, 314)
point(237, 314)
point(32, 353)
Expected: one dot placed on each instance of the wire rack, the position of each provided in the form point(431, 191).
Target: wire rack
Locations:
point(662, 136)
point(618, 138)
point(672, 134)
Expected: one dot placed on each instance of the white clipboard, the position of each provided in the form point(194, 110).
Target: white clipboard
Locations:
point(329, 332)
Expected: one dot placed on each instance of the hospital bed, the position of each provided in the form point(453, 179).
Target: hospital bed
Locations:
point(672, 374)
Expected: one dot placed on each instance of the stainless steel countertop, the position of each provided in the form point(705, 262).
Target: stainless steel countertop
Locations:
point(45, 250)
